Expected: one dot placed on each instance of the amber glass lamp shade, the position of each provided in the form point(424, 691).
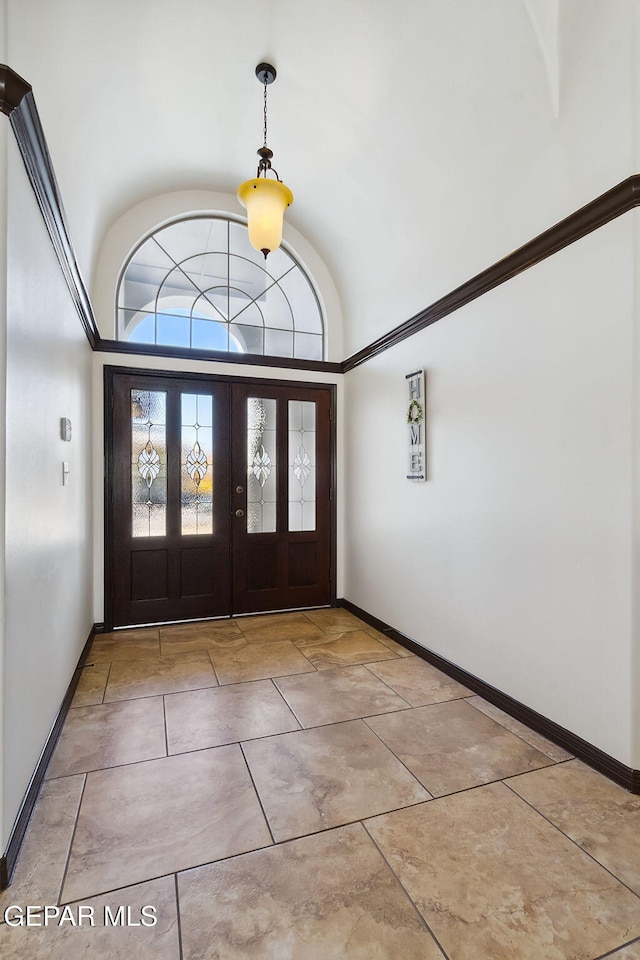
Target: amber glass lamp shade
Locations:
point(266, 202)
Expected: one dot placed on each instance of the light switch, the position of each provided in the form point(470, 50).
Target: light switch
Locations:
point(65, 473)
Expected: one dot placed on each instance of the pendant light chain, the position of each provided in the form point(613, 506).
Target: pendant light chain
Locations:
point(265, 112)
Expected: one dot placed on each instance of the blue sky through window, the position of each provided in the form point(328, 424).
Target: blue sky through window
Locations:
point(174, 331)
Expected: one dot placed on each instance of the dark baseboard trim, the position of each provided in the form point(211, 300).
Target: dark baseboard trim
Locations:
point(10, 856)
point(620, 199)
point(627, 777)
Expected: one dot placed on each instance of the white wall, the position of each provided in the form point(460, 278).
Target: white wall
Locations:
point(635, 641)
point(48, 613)
point(514, 560)
point(4, 140)
point(427, 146)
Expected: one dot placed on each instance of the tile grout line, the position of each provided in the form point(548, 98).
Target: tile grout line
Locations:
point(550, 760)
point(388, 685)
point(341, 824)
point(520, 737)
point(106, 684)
point(272, 680)
point(178, 917)
point(213, 667)
point(91, 895)
point(259, 798)
point(623, 946)
point(453, 793)
point(566, 835)
point(166, 728)
point(73, 837)
point(393, 753)
point(404, 890)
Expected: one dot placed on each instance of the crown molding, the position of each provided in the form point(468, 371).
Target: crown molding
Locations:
point(12, 89)
point(32, 143)
point(620, 199)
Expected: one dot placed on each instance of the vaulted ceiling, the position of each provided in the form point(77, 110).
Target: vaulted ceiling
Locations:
point(423, 139)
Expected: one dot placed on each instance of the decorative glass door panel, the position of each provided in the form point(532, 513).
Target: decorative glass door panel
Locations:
point(281, 459)
point(170, 499)
point(218, 497)
point(196, 480)
point(262, 467)
point(148, 463)
point(302, 465)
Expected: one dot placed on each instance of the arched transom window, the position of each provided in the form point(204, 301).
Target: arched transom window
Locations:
point(198, 283)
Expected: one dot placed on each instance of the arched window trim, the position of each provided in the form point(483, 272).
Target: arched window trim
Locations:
point(274, 280)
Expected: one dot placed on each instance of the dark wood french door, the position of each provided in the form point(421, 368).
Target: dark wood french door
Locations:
point(218, 497)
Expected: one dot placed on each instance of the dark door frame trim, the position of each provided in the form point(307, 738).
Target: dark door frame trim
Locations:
point(108, 378)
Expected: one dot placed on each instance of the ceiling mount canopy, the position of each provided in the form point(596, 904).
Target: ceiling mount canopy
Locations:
point(265, 199)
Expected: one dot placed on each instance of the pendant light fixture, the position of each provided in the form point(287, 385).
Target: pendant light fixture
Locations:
point(266, 200)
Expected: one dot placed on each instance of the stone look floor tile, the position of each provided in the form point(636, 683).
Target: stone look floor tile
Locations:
point(599, 815)
point(536, 740)
point(419, 682)
point(282, 630)
point(258, 662)
point(336, 620)
point(131, 645)
point(450, 746)
point(334, 695)
point(315, 779)
point(108, 735)
point(344, 650)
point(161, 816)
point(203, 628)
point(209, 718)
point(194, 637)
point(327, 897)
point(388, 642)
point(500, 884)
point(40, 868)
point(261, 620)
point(91, 685)
point(104, 941)
point(153, 676)
point(202, 644)
point(177, 648)
point(494, 880)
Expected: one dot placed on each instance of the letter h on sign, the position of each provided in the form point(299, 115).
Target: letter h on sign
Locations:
point(416, 426)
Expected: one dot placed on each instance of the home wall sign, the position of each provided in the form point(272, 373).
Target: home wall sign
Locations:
point(415, 417)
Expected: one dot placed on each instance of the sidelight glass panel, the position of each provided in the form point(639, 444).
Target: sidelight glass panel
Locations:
point(196, 469)
point(261, 465)
point(148, 463)
point(302, 465)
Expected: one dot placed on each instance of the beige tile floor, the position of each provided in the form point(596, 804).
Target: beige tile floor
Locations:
point(300, 787)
